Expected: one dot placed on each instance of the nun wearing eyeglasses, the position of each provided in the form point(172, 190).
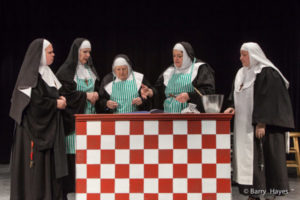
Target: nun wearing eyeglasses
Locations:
point(80, 84)
point(38, 160)
point(178, 84)
point(263, 113)
point(120, 90)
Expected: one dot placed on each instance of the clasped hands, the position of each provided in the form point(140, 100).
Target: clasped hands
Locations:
point(61, 103)
point(92, 97)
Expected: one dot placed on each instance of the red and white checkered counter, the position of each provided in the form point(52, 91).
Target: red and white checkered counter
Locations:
point(153, 157)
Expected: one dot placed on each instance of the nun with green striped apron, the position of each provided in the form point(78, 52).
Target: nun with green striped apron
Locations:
point(176, 85)
point(120, 90)
point(123, 93)
point(179, 83)
point(80, 84)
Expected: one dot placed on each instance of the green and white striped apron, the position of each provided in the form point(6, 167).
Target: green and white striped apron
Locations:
point(83, 86)
point(178, 84)
point(123, 92)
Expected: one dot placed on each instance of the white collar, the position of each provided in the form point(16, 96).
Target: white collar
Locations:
point(168, 73)
point(49, 77)
point(138, 80)
point(82, 72)
point(245, 78)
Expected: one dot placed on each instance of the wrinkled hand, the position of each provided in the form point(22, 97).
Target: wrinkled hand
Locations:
point(183, 97)
point(260, 130)
point(137, 101)
point(229, 110)
point(92, 97)
point(111, 104)
point(61, 103)
point(146, 92)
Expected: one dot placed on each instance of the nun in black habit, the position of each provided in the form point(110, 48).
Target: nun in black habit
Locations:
point(263, 113)
point(120, 90)
point(176, 85)
point(38, 159)
point(80, 85)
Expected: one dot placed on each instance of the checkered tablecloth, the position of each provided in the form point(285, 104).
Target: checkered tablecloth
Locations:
point(153, 160)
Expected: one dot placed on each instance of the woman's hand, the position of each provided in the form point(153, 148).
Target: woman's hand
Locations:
point(183, 97)
point(111, 104)
point(137, 101)
point(92, 97)
point(96, 96)
point(63, 98)
point(260, 130)
point(89, 96)
point(146, 92)
point(229, 110)
point(61, 103)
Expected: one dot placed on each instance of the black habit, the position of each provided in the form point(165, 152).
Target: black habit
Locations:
point(38, 159)
point(76, 102)
point(271, 106)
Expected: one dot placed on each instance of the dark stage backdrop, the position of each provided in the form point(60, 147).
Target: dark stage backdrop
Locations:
point(146, 31)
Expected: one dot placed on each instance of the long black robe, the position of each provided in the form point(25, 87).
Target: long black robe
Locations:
point(41, 123)
point(76, 102)
point(204, 82)
point(271, 106)
point(104, 96)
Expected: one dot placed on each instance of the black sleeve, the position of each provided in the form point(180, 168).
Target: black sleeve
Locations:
point(41, 115)
point(97, 89)
point(41, 101)
point(159, 92)
point(272, 105)
point(205, 83)
point(103, 95)
point(147, 103)
point(76, 102)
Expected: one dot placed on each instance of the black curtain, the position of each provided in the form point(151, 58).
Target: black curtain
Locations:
point(146, 31)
